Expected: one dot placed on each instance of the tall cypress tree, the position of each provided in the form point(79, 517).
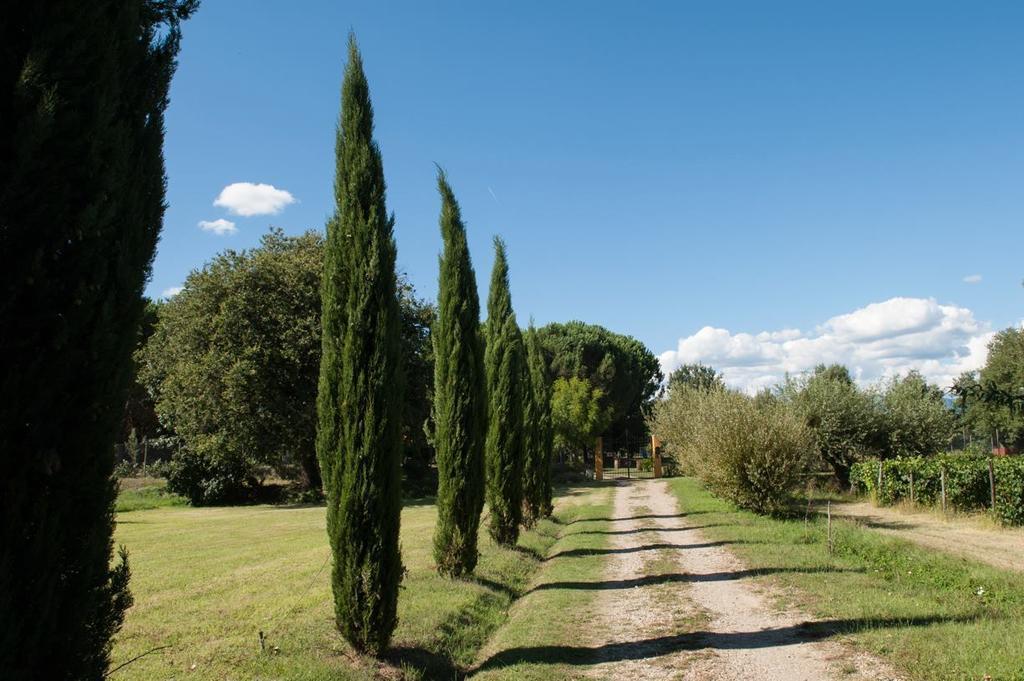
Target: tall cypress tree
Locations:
point(505, 395)
point(460, 407)
point(537, 434)
point(83, 90)
point(359, 403)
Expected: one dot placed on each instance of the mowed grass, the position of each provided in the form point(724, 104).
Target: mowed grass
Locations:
point(933, 615)
point(549, 619)
point(206, 581)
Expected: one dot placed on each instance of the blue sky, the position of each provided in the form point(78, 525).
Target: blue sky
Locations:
point(728, 182)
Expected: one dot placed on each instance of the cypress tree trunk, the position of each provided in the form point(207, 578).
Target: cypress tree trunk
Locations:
point(359, 403)
point(83, 89)
point(460, 407)
point(537, 429)
point(505, 395)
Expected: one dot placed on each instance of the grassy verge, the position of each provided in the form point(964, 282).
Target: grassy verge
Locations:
point(934, 616)
point(139, 494)
point(207, 580)
point(553, 617)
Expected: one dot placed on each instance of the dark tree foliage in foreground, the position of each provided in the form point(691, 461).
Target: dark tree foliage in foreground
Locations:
point(460, 407)
point(537, 434)
point(83, 89)
point(505, 395)
point(359, 403)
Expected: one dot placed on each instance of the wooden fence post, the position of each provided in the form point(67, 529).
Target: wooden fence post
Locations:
point(992, 484)
point(942, 481)
point(878, 487)
point(656, 455)
point(599, 459)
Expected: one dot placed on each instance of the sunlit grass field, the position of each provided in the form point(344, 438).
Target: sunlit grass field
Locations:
point(207, 581)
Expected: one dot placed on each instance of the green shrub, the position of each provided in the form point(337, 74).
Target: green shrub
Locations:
point(206, 480)
point(967, 482)
point(752, 452)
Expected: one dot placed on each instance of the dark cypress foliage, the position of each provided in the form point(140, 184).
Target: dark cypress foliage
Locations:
point(460, 406)
point(537, 434)
point(360, 394)
point(505, 395)
point(83, 89)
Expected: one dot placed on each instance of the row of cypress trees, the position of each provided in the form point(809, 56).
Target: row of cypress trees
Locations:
point(491, 392)
point(492, 406)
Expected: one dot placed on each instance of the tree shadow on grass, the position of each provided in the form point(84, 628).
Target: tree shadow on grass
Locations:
point(494, 586)
point(528, 551)
point(569, 553)
point(679, 577)
point(638, 530)
point(646, 516)
point(429, 664)
point(663, 645)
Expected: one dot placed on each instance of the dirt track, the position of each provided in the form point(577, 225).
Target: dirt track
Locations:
point(966, 537)
point(675, 606)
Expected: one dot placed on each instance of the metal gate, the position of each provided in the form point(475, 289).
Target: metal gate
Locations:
point(627, 457)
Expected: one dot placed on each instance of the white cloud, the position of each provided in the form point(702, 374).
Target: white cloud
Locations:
point(972, 279)
point(248, 199)
point(220, 226)
point(171, 292)
point(875, 341)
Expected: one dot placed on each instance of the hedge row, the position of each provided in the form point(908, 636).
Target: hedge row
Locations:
point(967, 482)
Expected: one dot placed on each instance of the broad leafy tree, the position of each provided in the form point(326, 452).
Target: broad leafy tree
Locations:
point(697, 376)
point(460, 399)
point(505, 394)
point(845, 421)
point(992, 400)
point(578, 415)
point(233, 364)
point(627, 373)
point(917, 421)
point(83, 90)
point(418, 362)
point(360, 387)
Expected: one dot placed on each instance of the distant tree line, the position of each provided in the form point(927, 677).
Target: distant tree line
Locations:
point(822, 421)
point(227, 372)
point(838, 422)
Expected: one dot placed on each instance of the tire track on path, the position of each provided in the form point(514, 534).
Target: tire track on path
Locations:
point(675, 606)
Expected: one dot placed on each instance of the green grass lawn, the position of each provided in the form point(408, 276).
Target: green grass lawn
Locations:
point(554, 617)
point(207, 580)
point(934, 616)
